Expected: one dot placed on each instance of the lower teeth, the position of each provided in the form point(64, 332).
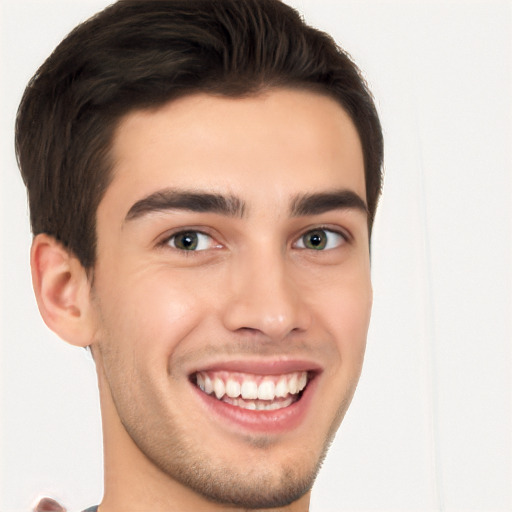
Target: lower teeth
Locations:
point(260, 405)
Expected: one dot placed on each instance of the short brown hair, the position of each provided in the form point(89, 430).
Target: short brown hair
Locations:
point(140, 54)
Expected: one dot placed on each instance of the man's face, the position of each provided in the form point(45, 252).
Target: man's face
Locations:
point(232, 290)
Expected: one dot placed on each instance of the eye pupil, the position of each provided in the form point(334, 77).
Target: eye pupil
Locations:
point(315, 239)
point(187, 241)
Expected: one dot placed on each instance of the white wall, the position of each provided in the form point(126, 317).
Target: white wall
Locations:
point(430, 426)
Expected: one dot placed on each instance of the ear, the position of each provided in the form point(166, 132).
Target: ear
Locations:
point(62, 290)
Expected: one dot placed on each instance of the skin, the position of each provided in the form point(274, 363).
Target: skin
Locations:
point(153, 313)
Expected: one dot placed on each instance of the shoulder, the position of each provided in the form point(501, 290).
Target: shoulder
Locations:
point(50, 505)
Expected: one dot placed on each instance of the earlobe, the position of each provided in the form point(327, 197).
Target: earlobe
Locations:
point(62, 290)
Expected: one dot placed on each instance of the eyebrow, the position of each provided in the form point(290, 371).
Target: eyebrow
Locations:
point(232, 206)
point(171, 199)
point(321, 202)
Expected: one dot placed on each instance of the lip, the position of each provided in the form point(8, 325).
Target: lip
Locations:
point(273, 367)
point(269, 422)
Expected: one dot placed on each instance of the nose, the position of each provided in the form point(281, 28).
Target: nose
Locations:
point(265, 298)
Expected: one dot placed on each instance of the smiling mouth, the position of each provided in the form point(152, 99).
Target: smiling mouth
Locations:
point(253, 392)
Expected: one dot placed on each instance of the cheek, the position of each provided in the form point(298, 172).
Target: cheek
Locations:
point(344, 314)
point(148, 315)
point(346, 310)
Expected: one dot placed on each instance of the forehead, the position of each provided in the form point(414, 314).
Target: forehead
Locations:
point(281, 142)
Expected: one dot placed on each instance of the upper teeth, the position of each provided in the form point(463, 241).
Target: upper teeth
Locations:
point(251, 387)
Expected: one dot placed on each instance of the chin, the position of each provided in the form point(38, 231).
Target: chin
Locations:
point(249, 488)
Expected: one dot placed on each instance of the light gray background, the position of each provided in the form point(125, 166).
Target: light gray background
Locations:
point(430, 426)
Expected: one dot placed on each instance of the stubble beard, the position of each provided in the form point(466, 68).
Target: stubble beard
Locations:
point(166, 445)
point(248, 488)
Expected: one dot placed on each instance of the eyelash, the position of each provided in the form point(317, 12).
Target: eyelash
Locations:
point(167, 241)
point(343, 237)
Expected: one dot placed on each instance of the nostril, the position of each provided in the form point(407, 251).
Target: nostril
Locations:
point(251, 331)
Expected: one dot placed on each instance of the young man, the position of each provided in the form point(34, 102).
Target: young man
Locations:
point(203, 177)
